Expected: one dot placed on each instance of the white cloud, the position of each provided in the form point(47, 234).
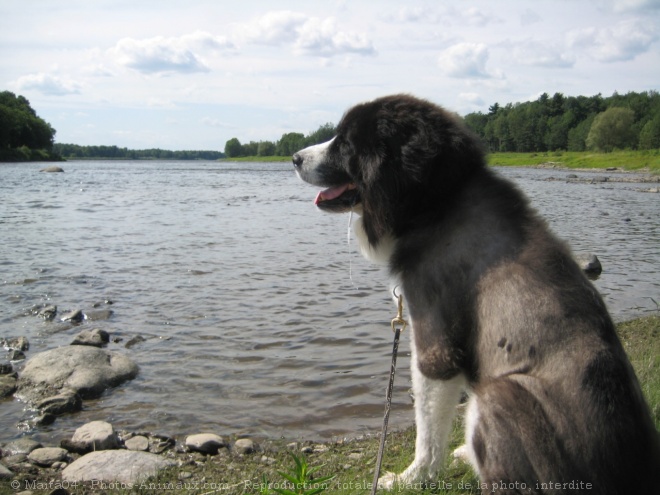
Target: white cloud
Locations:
point(474, 99)
point(273, 27)
point(635, 5)
point(542, 54)
point(465, 60)
point(322, 37)
point(529, 17)
point(165, 55)
point(211, 122)
point(307, 35)
point(625, 41)
point(48, 84)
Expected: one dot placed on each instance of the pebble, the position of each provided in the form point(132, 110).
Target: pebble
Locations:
point(74, 316)
point(97, 435)
point(206, 443)
point(47, 456)
point(95, 337)
point(244, 446)
point(138, 443)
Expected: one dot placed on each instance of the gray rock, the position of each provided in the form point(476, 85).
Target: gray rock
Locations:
point(85, 370)
point(244, 446)
point(51, 169)
point(47, 456)
point(590, 264)
point(95, 337)
point(99, 315)
point(137, 442)
point(15, 355)
point(48, 313)
point(7, 385)
point(206, 443)
point(18, 343)
point(97, 435)
point(135, 340)
point(6, 368)
point(21, 446)
point(66, 402)
point(12, 460)
point(5, 473)
point(75, 316)
point(123, 466)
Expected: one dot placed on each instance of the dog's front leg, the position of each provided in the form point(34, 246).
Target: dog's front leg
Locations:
point(435, 408)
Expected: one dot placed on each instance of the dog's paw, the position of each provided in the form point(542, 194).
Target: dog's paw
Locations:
point(388, 481)
point(461, 454)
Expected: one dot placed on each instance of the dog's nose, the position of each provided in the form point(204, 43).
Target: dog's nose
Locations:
point(297, 160)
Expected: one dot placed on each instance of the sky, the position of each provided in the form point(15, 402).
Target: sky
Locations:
point(192, 74)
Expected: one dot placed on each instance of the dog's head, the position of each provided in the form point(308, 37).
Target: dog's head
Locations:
point(394, 160)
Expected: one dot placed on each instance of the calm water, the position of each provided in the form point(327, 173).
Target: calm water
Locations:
point(259, 317)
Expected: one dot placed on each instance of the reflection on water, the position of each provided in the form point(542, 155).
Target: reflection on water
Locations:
point(258, 316)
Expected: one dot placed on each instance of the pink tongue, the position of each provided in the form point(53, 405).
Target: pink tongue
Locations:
point(330, 193)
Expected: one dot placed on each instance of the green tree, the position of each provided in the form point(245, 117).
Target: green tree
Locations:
point(21, 126)
point(289, 143)
point(612, 129)
point(233, 148)
point(266, 148)
point(321, 135)
point(649, 136)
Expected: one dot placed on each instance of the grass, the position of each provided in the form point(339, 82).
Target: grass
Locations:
point(350, 463)
point(648, 160)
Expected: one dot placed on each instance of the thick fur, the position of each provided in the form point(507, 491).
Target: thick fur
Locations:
point(497, 306)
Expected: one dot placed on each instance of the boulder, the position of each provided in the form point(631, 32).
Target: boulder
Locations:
point(97, 435)
point(123, 466)
point(51, 169)
point(47, 456)
point(206, 443)
point(84, 370)
point(95, 337)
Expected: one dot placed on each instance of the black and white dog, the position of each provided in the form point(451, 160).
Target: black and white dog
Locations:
point(498, 307)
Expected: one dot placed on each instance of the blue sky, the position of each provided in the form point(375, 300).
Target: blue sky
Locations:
point(192, 74)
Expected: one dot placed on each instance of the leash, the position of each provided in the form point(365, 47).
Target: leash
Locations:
point(398, 326)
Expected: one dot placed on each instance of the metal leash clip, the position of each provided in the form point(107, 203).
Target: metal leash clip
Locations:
point(398, 321)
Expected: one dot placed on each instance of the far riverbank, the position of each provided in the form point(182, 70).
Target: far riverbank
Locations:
point(630, 161)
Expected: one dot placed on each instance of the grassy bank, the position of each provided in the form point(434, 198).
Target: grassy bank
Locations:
point(626, 160)
point(352, 462)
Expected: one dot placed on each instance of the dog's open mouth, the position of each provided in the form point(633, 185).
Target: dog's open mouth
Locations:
point(338, 198)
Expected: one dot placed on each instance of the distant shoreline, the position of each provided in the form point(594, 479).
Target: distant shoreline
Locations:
point(645, 161)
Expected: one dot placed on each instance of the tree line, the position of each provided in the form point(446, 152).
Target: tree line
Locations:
point(287, 145)
point(74, 151)
point(23, 134)
point(568, 123)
